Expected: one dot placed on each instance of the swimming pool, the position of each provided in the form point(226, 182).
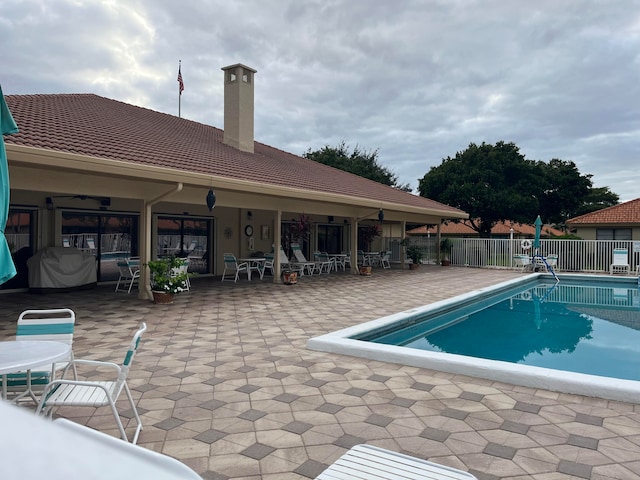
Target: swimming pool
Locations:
point(583, 313)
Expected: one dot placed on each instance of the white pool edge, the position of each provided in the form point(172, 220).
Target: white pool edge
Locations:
point(536, 377)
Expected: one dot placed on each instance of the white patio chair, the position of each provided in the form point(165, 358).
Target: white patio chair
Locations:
point(286, 264)
point(95, 393)
point(523, 262)
point(301, 261)
point(50, 325)
point(374, 463)
point(184, 268)
point(129, 273)
point(384, 259)
point(323, 262)
point(620, 261)
point(233, 268)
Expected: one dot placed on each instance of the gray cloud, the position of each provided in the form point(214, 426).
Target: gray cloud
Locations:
point(417, 80)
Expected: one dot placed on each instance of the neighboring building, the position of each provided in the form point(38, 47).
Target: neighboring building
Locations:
point(500, 230)
point(119, 180)
point(619, 222)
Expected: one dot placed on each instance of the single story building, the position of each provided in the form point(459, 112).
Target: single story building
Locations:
point(117, 180)
point(502, 229)
point(619, 222)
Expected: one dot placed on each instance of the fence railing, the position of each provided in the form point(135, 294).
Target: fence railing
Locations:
point(593, 256)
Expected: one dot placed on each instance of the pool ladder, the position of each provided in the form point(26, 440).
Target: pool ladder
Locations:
point(549, 267)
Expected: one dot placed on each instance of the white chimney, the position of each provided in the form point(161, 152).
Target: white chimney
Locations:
point(238, 106)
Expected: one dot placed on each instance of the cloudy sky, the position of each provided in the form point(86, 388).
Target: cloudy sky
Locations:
point(416, 80)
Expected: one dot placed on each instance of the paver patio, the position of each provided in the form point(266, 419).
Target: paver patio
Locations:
point(224, 383)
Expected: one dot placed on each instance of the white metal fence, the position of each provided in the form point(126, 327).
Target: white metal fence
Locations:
point(594, 256)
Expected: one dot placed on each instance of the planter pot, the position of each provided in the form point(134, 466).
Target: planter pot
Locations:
point(365, 270)
point(446, 262)
point(163, 297)
point(414, 266)
point(290, 278)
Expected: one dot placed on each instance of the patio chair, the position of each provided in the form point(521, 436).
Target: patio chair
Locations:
point(233, 268)
point(620, 261)
point(286, 264)
point(323, 262)
point(184, 268)
point(268, 264)
point(367, 461)
point(523, 262)
point(129, 273)
point(384, 259)
point(301, 261)
point(52, 325)
point(95, 393)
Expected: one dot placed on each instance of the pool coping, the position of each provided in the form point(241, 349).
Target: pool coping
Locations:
point(340, 342)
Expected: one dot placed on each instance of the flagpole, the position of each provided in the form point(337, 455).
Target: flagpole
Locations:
point(180, 87)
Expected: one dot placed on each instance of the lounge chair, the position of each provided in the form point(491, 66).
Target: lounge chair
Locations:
point(307, 266)
point(374, 463)
point(286, 264)
point(523, 262)
point(233, 268)
point(620, 261)
point(95, 393)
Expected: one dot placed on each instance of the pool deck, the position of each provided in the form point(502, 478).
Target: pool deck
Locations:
point(224, 382)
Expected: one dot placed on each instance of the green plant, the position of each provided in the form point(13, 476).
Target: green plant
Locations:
point(446, 245)
point(166, 275)
point(415, 253)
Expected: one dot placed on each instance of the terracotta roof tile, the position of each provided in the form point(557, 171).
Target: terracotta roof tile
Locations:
point(501, 228)
point(624, 213)
point(95, 126)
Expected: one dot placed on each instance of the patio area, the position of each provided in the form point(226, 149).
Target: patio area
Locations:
point(225, 384)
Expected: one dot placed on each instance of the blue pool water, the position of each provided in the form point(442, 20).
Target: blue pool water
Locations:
point(577, 325)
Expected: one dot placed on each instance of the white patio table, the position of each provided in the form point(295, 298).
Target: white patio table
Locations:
point(255, 264)
point(20, 355)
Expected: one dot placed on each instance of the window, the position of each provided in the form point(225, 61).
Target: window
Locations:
point(107, 236)
point(613, 234)
point(185, 237)
point(330, 238)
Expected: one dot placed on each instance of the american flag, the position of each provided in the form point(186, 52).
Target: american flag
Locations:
point(180, 82)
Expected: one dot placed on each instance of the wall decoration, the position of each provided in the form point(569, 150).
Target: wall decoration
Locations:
point(264, 232)
point(228, 233)
point(248, 230)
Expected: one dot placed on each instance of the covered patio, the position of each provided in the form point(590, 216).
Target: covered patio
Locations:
point(224, 383)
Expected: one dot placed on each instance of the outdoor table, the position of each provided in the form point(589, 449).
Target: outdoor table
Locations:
point(254, 263)
point(374, 257)
point(34, 447)
point(20, 355)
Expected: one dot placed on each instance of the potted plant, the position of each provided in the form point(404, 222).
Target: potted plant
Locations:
point(167, 278)
point(289, 277)
point(445, 251)
point(415, 253)
point(368, 234)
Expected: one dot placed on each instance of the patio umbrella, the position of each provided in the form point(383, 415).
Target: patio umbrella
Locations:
point(536, 241)
point(7, 126)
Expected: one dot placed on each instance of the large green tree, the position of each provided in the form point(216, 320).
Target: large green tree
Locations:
point(490, 182)
point(495, 182)
point(359, 162)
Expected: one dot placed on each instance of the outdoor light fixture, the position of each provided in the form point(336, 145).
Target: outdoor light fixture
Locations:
point(381, 215)
point(249, 215)
point(211, 199)
point(49, 203)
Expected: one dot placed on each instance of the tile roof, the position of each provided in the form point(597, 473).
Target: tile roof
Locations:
point(90, 125)
point(501, 228)
point(625, 213)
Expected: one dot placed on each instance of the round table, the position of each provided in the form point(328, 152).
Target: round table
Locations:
point(20, 355)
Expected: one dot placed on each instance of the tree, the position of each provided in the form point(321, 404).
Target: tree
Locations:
point(490, 182)
point(564, 190)
point(359, 162)
point(597, 199)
